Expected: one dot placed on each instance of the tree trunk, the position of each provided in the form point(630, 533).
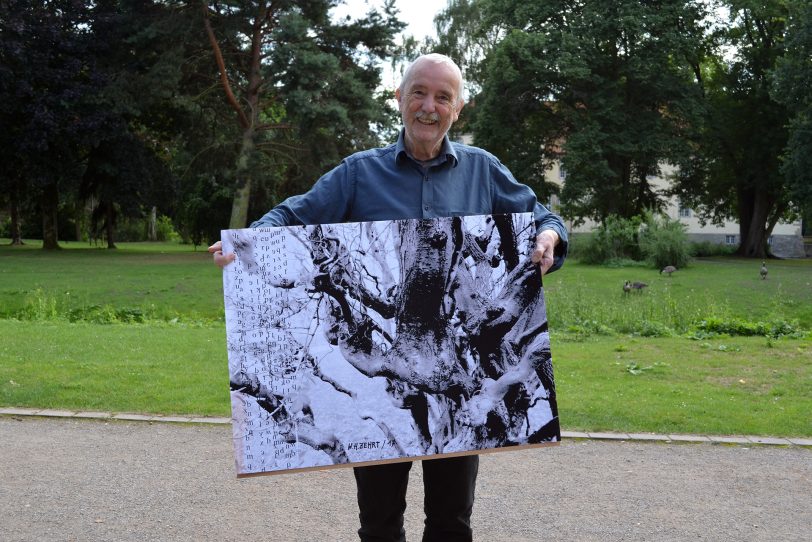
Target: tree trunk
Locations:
point(242, 194)
point(247, 115)
point(50, 210)
point(239, 207)
point(14, 208)
point(110, 224)
point(78, 222)
point(754, 209)
point(152, 234)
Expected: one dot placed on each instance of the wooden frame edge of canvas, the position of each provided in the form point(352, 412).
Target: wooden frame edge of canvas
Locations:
point(403, 459)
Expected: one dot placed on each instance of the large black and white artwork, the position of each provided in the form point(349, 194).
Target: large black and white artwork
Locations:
point(384, 341)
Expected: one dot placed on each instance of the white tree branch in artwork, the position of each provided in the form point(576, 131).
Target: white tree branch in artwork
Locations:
point(455, 324)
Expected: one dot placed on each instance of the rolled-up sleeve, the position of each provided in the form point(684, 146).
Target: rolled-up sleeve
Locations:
point(547, 220)
point(510, 196)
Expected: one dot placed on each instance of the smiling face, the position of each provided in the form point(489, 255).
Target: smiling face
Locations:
point(429, 103)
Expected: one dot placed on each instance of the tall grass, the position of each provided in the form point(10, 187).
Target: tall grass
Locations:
point(659, 312)
point(39, 306)
point(160, 280)
point(588, 299)
point(166, 283)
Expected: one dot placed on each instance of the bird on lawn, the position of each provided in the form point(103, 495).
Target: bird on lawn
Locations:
point(636, 286)
point(763, 271)
point(668, 269)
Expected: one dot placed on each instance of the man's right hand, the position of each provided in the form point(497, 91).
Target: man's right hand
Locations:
point(220, 259)
point(544, 253)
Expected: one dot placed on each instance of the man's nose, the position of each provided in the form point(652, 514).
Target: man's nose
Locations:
point(428, 104)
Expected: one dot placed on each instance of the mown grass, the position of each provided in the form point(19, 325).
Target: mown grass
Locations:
point(167, 369)
point(140, 329)
point(742, 385)
point(725, 385)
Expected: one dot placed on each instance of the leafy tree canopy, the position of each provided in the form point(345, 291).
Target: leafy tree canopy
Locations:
point(604, 86)
point(735, 171)
point(792, 81)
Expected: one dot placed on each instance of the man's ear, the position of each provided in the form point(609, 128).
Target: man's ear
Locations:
point(458, 110)
point(397, 95)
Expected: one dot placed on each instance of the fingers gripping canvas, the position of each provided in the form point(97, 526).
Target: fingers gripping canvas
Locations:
point(384, 341)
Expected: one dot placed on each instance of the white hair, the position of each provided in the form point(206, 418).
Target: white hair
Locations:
point(438, 59)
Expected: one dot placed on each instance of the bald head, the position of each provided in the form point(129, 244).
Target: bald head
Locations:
point(434, 58)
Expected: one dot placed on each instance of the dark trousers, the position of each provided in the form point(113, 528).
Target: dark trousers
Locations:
point(449, 499)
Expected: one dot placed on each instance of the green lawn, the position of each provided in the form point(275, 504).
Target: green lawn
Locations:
point(672, 385)
point(732, 385)
point(121, 368)
point(622, 362)
point(727, 287)
point(167, 278)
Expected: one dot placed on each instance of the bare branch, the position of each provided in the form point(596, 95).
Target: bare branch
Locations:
point(221, 65)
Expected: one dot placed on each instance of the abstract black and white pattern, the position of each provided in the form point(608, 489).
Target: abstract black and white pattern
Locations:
point(362, 342)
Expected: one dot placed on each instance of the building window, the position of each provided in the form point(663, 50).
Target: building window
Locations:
point(684, 212)
point(562, 173)
point(730, 239)
point(770, 240)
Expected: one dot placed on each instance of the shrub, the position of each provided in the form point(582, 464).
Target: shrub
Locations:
point(578, 244)
point(39, 307)
point(706, 249)
point(616, 239)
point(736, 326)
point(136, 229)
point(130, 230)
point(648, 328)
point(165, 229)
point(663, 242)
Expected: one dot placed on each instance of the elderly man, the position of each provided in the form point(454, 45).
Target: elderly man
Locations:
point(423, 175)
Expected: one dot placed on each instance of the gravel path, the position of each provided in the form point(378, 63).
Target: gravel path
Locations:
point(89, 480)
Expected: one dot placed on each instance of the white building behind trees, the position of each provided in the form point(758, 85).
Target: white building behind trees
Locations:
point(786, 240)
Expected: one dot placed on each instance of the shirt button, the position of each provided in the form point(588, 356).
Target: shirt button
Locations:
point(425, 207)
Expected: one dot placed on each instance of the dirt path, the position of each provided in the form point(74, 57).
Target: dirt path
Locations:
point(122, 481)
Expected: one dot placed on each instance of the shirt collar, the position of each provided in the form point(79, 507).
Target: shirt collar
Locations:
point(446, 150)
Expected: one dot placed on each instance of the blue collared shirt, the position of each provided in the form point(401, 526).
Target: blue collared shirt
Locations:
point(388, 184)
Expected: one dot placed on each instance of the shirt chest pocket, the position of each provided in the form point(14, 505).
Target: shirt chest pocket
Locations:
point(467, 201)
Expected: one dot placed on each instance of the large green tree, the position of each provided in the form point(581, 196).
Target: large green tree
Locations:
point(792, 84)
point(464, 34)
point(49, 90)
point(301, 86)
point(119, 102)
point(604, 86)
point(86, 91)
point(735, 169)
point(127, 170)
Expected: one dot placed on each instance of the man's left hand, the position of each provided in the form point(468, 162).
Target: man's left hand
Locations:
point(544, 252)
